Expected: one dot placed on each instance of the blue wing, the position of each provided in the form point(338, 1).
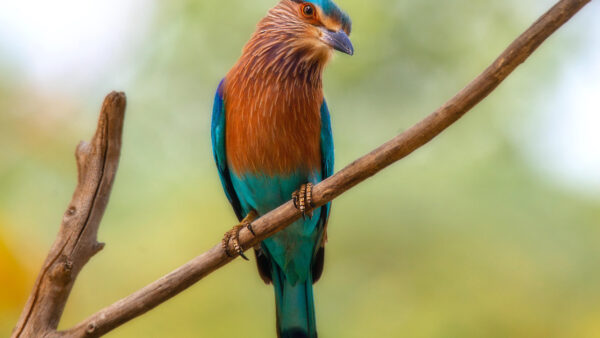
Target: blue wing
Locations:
point(218, 144)
point(326, 170)
point(327, 155)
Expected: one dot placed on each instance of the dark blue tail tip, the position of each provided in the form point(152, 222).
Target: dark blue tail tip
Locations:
point(296, 332)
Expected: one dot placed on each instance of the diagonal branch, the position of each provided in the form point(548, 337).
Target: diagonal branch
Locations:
point(170, 285)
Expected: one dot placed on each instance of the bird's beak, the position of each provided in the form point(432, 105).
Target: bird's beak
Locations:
point(338, 40)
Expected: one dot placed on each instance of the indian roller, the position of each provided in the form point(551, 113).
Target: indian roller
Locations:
point(272, 140)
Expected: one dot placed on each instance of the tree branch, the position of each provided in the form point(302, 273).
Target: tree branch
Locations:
point(76, 242)
point(170, 285)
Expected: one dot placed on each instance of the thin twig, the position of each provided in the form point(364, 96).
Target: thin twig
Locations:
point(363, 168)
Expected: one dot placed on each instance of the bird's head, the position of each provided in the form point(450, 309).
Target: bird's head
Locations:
point(313, 28)
point(323, 25)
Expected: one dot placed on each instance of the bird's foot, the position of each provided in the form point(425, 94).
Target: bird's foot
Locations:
point(233, 235)
point(303, 200)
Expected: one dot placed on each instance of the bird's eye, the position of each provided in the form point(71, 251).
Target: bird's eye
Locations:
point(308, 11)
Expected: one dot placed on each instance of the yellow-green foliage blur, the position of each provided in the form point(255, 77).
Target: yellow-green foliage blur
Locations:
point(465, 238)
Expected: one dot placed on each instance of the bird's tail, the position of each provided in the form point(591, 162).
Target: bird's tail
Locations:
point(294, 305)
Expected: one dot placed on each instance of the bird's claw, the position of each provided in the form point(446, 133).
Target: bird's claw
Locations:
point(233, 235)
point(303, 200)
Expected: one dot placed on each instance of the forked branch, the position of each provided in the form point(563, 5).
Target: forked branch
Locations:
point(76, 243)
point(37, 319)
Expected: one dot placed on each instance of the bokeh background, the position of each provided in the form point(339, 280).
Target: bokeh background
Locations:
point(491, 230)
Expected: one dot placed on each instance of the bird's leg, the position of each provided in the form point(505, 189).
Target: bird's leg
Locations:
point(303, 200)
point(234, 235)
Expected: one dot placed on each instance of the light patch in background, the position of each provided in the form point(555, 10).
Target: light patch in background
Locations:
point(51, 41)
point(569, 146)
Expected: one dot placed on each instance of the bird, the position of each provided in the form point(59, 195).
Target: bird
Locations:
point(272, 141)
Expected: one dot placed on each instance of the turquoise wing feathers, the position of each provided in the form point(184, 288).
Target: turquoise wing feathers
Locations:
point(327, 153)
point(218, 144)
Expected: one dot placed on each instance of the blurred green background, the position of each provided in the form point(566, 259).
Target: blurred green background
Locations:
point(491, 230)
